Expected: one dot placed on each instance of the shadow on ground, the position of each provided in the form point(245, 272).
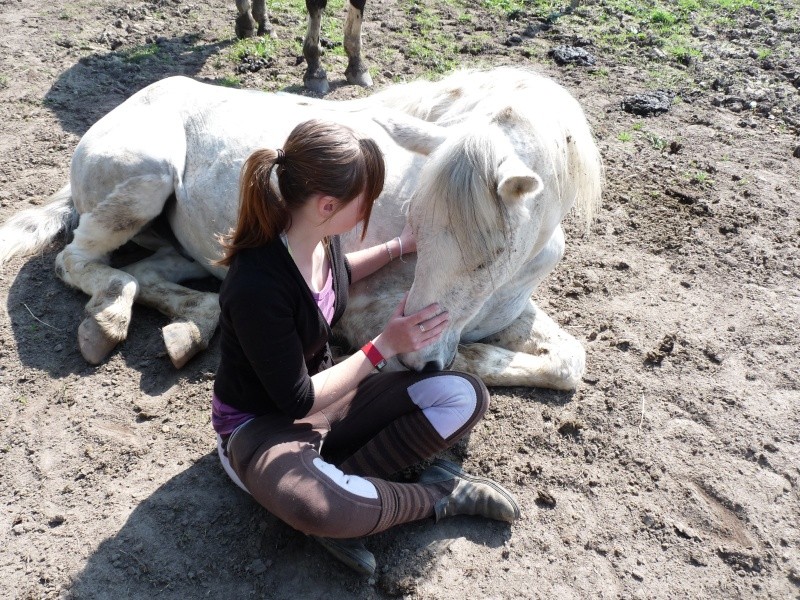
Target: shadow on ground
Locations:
point(45, 314)
point(98, 83)
point(199, 536)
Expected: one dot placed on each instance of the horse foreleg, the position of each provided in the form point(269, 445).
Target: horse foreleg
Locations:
point(195, 314)
point(533, 351)
point(356, 72)
point(315, 78)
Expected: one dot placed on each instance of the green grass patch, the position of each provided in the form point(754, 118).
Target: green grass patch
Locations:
point(663, 18)
point(3, 81)
point(230, 81)
point(668, 24)
point(140, 53)
point(503, 6)
point(625, 136)
point(257, 46)
point(657, 142)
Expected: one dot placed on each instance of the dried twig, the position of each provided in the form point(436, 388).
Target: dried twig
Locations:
point(38, 319)
point(641, 420)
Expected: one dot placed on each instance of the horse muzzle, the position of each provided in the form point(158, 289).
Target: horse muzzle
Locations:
point(429, 360)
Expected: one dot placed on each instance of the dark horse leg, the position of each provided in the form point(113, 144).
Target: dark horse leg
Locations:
point(249, 17)
point(356, 72)
point(315, 78)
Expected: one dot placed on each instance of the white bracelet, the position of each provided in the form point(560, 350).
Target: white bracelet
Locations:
point(400, 243)
point(388, 251)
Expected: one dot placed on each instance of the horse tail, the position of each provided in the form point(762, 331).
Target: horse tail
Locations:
point(34, 228)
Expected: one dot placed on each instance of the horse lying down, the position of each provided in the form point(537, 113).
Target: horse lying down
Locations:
point(484, 165)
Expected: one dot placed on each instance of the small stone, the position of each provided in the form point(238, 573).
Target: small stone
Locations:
point(257, 567)
point(56, 520)
point(570, 55)
point(648, 104)
point(545, 499)
point(796, 152)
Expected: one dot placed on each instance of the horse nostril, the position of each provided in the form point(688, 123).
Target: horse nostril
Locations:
point(431, 366)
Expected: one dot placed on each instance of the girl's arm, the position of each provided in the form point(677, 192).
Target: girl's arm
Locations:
point(365, 262)
point(401, 334)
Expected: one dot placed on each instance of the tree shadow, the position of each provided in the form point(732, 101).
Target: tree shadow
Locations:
point(198, 535)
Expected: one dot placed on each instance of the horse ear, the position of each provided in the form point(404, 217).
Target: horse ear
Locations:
point(516, 181)
point(412, 133)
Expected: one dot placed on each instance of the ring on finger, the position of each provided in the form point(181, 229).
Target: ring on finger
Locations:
point(422, 328)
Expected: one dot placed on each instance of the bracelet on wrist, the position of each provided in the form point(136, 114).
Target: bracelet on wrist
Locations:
point(374, 355)
point(400, 243)
point(388, 251)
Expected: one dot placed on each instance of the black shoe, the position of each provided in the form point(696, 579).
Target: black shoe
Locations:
point(351, 552)
point(471, 495)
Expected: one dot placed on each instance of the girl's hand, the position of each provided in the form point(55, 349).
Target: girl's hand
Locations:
point(412, 332)
point(407, 240)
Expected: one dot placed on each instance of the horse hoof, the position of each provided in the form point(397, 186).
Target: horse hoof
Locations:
point(182, 341)
point(318, 85)
point(94, 343)
point(266, 30)
point(245, 27)
point(363, 78)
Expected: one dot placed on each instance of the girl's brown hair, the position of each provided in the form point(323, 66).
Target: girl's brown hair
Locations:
point(318, 157)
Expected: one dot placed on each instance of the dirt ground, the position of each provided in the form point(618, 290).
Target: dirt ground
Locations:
point(672, 471)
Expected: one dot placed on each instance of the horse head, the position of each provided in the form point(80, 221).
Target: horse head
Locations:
point(488, 199)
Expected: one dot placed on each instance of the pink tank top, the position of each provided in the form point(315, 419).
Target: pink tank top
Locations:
point(325, 298)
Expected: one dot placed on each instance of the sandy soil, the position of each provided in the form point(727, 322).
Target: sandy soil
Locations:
point(672, 471)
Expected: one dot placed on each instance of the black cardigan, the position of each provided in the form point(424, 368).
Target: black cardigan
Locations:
point(273, 335)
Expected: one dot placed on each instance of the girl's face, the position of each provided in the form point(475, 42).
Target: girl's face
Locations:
point(346, 217)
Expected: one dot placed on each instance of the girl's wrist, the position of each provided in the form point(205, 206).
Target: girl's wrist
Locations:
point(394, 248)
point(382, 345)
point(374, 355)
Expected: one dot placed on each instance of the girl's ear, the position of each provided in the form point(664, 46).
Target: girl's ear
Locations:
point(327, 206)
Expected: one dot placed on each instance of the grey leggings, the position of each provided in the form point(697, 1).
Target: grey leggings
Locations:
point(325, 474)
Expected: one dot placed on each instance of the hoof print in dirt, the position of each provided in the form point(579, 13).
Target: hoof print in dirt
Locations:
point(570, 55)
point(648, 104)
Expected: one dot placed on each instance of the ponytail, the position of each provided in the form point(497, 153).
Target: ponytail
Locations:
point(318, 157)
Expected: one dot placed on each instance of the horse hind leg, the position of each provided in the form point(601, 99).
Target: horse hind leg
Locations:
point(248, 17)
point(83, 263)
point(195, 314)
point(356, 73)
point(315, 78)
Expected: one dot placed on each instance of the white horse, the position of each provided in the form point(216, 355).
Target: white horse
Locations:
point(508, 154)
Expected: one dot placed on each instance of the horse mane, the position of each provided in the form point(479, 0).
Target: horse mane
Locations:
point(458, 191)
point(556, 117)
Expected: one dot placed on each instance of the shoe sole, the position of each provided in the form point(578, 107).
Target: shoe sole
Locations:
point(346, 557)
point(459, 472)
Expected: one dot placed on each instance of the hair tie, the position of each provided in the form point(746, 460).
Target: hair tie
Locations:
point(281, 158)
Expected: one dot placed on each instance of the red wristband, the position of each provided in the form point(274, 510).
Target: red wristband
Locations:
point(374, 355)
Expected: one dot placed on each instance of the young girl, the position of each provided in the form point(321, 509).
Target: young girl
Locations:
point(311, 441)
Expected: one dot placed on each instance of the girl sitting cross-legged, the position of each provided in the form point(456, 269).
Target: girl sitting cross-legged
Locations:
point(311, 441)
